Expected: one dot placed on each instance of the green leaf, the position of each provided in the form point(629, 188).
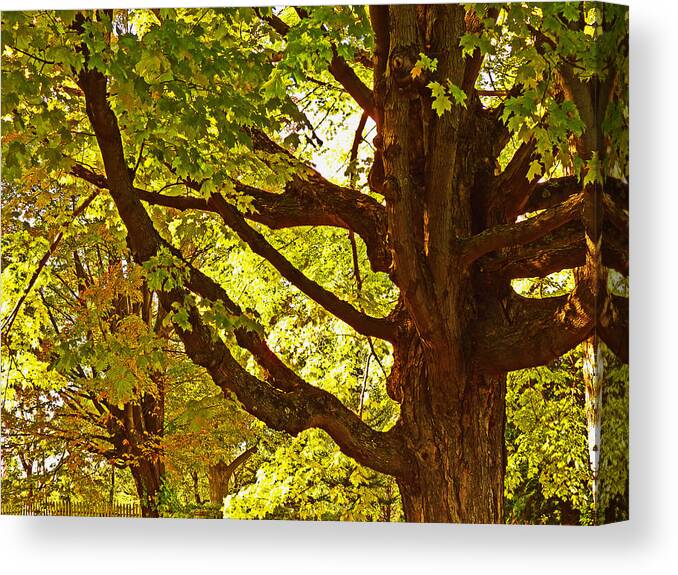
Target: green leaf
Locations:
point(274, 87)
point(442, 104)
point(535, 170)
point(180, 317)
point(424, 63)
point(593, 170)
point(437, 89)
point(570, 11)
point(457, 93)
point(469, 43)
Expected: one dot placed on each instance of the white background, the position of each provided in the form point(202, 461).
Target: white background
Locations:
point(645, 544)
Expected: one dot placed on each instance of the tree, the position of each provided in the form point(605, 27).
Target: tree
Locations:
point(103, 339)
point(500, 153)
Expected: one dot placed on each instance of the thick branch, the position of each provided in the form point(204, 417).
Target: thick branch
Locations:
point(347, 77)
point(511, 188)
point(552, 192)
point(405, 200)
point(303, 407)
point(379, 18)
point(343, 206)
point(500, 133)
point(564, 248)
point(224, 471)
point(615, 251)
point(338, 67)
point(241, 459)
point(316, 201)
point(556, 190)
point(511, 235)
point(615, 215)
point(529, 332)
point(362, 323)
point(310, 202)
point(278, 373)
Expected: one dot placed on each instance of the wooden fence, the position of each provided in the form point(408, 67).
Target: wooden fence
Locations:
point(67, 509)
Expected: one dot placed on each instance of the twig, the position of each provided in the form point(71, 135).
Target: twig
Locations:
point(364, 386)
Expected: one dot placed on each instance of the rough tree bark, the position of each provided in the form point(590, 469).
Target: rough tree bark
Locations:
point(448, 236)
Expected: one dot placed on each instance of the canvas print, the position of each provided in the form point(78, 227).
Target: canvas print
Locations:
point(348, 263)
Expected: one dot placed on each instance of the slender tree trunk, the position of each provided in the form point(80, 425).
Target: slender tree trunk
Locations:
point(196, 487)
point(218, 477)
point(593, 369)
point(111, 492)
point(387, 507)
point(454, 423)
point(148, 480)
point(28, 470)
point(137, 431)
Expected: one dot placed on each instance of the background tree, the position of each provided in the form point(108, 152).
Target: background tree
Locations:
point(104, 337)
point(466, 192)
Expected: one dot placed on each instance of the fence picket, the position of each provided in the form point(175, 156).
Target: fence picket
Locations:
point(68, 509)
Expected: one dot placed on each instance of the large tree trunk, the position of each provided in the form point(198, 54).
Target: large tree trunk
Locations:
point(452, 414)
point(219, 478)
point(454, 424)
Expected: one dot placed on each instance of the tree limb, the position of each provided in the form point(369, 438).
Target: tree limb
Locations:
point(313, 201)
point(564, 248)
point(202, 285)
point(554, 191)
point(613, 325)
point(532, 331)
point(362, 323)
point(347, 77)
point(511, 235)
point(511, 188)
point(303, 407)
point(474, 61)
